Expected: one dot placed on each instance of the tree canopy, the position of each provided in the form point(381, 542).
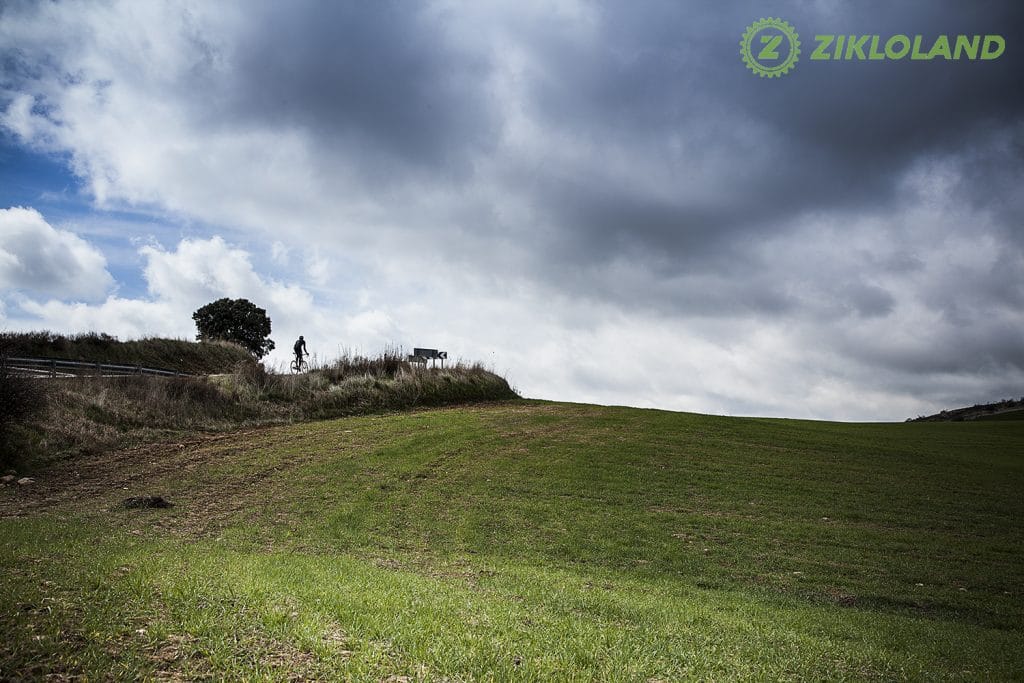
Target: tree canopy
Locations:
point(235, 320)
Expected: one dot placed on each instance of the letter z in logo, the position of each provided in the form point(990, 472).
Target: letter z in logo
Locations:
point(780, 47)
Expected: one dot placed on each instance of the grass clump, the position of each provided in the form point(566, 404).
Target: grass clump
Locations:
point(356, 384)
point(20, 399)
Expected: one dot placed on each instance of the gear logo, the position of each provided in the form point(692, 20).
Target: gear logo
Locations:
point(763, 49)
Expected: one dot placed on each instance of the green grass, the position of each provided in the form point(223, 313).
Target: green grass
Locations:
point(534, 541)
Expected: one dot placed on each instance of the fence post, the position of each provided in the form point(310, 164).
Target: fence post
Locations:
point(53, 369)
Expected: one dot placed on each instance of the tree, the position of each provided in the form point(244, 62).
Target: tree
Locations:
point(235, 320)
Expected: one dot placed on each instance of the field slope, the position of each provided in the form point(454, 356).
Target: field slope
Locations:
point(527, 541)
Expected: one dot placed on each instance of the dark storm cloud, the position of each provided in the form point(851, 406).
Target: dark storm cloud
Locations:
point(382, 83)
point(993, 175)
point(395, 92)
point(982, 349)
point(833, 138)
point(841, 132)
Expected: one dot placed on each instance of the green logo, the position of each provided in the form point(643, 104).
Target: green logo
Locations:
point(830, 47)
point(770, 47)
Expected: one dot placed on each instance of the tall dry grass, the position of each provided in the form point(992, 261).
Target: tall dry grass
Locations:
point(20, 399)
point(89, 414)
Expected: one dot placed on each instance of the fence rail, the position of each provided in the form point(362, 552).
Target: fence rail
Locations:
point(56, 367)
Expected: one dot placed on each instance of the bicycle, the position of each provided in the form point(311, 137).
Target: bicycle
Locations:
point(298, 364)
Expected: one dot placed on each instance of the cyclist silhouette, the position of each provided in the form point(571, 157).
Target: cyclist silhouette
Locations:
point(299, 348)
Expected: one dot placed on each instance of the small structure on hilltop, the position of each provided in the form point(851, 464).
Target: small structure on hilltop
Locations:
point(421, 356)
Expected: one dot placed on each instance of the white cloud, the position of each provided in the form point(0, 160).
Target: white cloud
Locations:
point(19, 119)
point(124, 318)
point(280, 253)
point(196, 272)
point(318, 268)
point(199, 270)
point(38, 258)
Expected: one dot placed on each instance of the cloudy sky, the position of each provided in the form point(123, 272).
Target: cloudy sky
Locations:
point(597, 199)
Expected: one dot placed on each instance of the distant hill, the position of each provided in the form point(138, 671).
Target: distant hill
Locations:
point(1010, 409)
point(200, 358)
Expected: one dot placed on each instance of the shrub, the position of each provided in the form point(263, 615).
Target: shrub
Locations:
point(252, 374)
point(20, 397)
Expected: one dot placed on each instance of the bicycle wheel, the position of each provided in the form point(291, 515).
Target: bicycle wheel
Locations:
point(296, 367)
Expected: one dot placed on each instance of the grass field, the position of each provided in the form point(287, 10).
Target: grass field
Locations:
point(527, 541)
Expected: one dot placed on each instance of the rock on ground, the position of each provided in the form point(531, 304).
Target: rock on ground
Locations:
point(146, 502)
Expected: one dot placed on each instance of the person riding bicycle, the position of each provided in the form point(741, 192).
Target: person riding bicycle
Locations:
point(300, 347)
